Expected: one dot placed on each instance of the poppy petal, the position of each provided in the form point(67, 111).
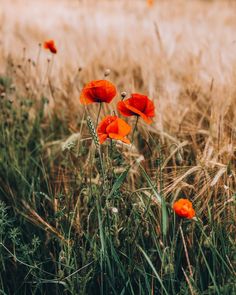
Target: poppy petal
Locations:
point(123, 128)
point(85, 97)
point(102, 138)
point(150, 109)
point(119, 137)
point(137, 112)
point(138, 101)
point(104, 123)
point(119, 126)
point(121, 106)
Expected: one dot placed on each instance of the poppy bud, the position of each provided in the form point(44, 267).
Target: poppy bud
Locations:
point(107, 72)
point(123, 94)
point(114, 210)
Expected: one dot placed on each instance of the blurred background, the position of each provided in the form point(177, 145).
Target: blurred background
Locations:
point(119, 34)
point(168, 49)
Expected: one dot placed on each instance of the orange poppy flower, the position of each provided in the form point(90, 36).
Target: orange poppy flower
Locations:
point(114, 128)
point(137, 105)
point(184, 208)
point(50, 45)
point(150, 3)
point(98, 91)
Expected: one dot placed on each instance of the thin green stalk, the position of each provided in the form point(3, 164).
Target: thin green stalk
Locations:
point(98, 115)
point(135, 127)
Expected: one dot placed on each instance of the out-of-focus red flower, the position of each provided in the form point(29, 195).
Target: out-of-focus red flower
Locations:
point(137, 105)
point(98, 91)
point(184, 208)
point(50, 45)
point(114, 128)
point(150, 3)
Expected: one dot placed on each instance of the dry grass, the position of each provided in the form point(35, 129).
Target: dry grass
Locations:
point(181, 55)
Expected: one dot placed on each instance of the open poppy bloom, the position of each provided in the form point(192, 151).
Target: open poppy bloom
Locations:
point(184, 208)
point(98, 91)
point(50, 45)
point(114, 128)
point(137, 105)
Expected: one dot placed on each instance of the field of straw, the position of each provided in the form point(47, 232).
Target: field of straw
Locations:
point(79, 217)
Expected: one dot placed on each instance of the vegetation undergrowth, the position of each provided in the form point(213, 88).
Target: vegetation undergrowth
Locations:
point(80, 217)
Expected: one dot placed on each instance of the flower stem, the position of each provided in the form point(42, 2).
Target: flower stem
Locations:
point(99, 111)
point(135, 127)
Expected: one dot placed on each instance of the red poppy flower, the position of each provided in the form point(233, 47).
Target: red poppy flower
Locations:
point(50, 45)
point(184, 208)
point(98, 91)
point(114, 128)
point(137, 105)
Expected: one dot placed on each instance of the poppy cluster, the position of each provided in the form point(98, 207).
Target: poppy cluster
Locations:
point(113, 127)
point(103, 91)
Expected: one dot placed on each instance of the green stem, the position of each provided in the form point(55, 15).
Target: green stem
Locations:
point(111, 149)
point(135, 127)
point(99, 111)
point(101, 163)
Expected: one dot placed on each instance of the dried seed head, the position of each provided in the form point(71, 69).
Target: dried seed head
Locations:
point(27, 86)
point(80, 69)
point(71, 142)
point(107, 72)
point(140, 159)
point(114, 210)
point(146, 234)
point(12, 87)
point(40, 44)
point(123, 94)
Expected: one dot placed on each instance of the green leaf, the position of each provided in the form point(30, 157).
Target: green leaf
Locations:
point(164, 215)
point(153, 269)
point(119, 182)
point(160, 200)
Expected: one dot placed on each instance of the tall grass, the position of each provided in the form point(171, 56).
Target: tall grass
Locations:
point(77, 217)
point(71, 221)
